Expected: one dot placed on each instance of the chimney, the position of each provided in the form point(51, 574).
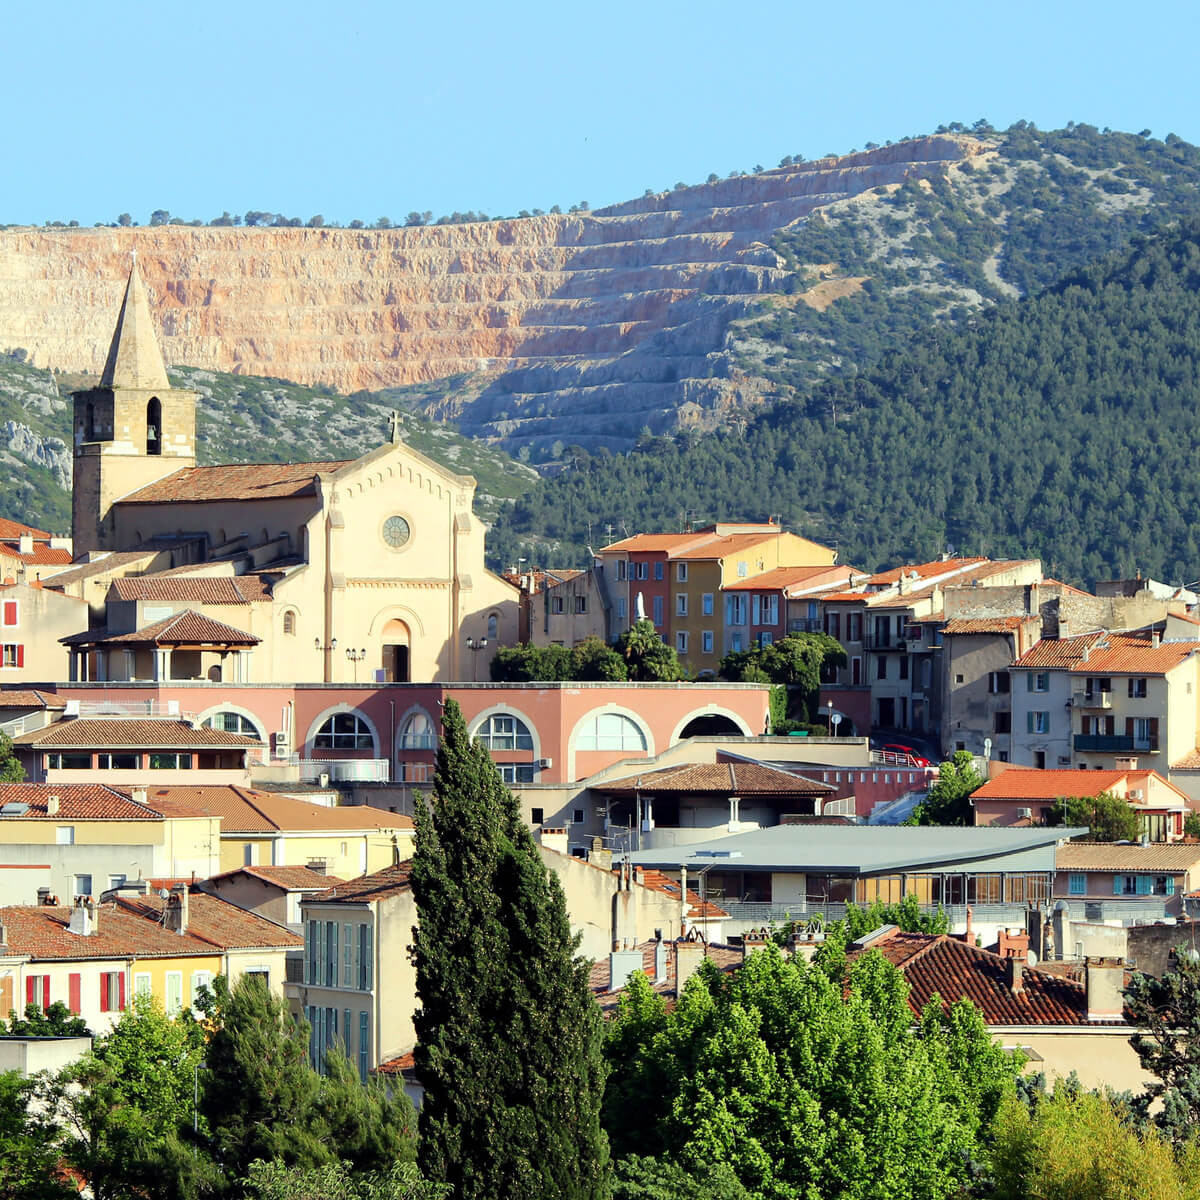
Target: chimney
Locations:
point(1014, 974)
point(26, 543)
point(622, 964)
point(1105, 984)
point(52, 803)
point(1156, 637)
point(395, 853)
point(1013, 943)
point(175, 918)
point(81, 919)
point(320, 866)
point(660, 957)
point(138, 795)
point(624, 926)
point(43, 895)
point(754, 940)
point(688, 957)
point(555, 839)
point(970, 938)
point(683, 900)
point(599, 856)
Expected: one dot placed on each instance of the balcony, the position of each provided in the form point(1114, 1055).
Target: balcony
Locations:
point(1090, 743)
point(805, 625)
point(873, 641)
point(1082, 699)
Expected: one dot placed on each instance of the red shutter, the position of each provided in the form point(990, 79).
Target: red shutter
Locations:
point(30, 989)
point(21, 655)
point(103, 992)
point(121, 991)
point(73, 987)
point(10, 612)
point(45, 992)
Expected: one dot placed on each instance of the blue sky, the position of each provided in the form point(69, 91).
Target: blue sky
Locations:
point(364, 109)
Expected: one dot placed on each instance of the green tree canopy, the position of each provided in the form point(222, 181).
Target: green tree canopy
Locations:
point(508, 1036)
point(647, 657)
point(948, 801)
point(1111, 818)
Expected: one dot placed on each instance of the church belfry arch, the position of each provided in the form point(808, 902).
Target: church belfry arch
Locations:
point(154, 429)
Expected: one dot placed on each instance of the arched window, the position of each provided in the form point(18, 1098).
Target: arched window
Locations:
point(231, 722)
point(344, 731)
point(154, 426)
point(502, 731)
point(89, 431)
point(417, 733)
point(289, 623)
point(493, 626)
point(610, 731)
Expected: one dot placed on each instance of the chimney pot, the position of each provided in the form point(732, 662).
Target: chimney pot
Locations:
point(1014, 970)
point(52, 803)
point(1104, 982)
point(688, 956)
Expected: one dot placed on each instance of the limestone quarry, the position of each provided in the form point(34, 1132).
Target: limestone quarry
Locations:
point(582, 328)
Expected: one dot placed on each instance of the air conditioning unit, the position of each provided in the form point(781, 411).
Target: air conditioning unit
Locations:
point(1024, 814)
point(282, 746)
point(1135, 793)
point(545, 763)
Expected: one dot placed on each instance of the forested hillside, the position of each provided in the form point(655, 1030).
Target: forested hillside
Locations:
point(1064, 426)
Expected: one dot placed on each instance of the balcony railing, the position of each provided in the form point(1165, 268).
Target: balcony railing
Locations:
point(1082, 699)
point(1091, 743)
point(805, 625)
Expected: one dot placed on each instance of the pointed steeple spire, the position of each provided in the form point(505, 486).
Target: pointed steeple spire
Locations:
point(134, 359)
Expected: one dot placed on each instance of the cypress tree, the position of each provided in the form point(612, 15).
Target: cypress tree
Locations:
point(508, 1034)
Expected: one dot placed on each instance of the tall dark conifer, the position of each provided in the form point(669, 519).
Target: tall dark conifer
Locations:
point(508, 1034)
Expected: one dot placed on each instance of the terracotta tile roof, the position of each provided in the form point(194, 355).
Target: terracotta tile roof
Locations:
point(249, 810)
point(964, 578)
point(214, 921)
point(42, 933)
point(144, 732)
point(42, 555)
point(76, 802)
point(725, 958)
point(657, 881)
point(785, 577)
point(107, 565)
point(1066, 587)
point(200, 589)
point(657, 543)
point(1116, 856)
point(540, 578)
point(1028, 783)
point(292, 879)
point(379, 885)
point(846, 597)
point(13, 530)
point(985, 624)
point(30, 698)
point(187, 628)
point(1124, 655)
point(1058, 653)
point(726, 545)
point(397, 1066)
point(952, 970)
point(928, 570)
point(737, 778)
point(1189, 762)
point(239, 481)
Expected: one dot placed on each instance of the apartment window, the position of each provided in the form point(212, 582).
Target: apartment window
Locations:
point(581, 604)
point(658, 570)
point(511, 773)
point(756, 609)
point(766, 638)
point(174, 1004)
point(881, 667)
point(833, 625)
point(364, 1044)
point(904, 666)
point(658, 610)
point(83, 885)
point(706, 604)
point(365, 952)
point(958, 679)
point(1098, 685)
point(141, 984)
point(620, 570)
point(347, 955)
point(170, 762)
point(577, 816)
point(68, 762)
point(854, 627)
point(1037, 681)
point(200, 981)
point(735, 609)
point(537, 816)
point(556, 604)
point(735, 643)
point(118, 762)
point(706, 641)
point(1137, 687)
point(64, 835)
point(331, 953)
point(856, 670)
point(112, 991)
point(998, 683)
point(1077, 884)
point(770, 610)
point(1037, 722)
point(1003, 722)
point(610, 731)
point(681, 642)
point(622, 608)
point(681, 604)
point(14, 655)
point(502, 731)
point(10, 612)
point(1144, 731)
point(230, 722)
point(681, 572)
point(250, 854)
point(643, 570)
point(37, 991)
point(289, 623)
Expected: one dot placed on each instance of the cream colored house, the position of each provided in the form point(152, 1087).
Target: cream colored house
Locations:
point(33, 619)
point(373, 567)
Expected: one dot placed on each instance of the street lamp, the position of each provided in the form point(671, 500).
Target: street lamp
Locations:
point(356, 656)
point(475, 645)
point(325, 651)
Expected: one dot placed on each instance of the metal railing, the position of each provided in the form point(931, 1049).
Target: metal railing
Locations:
point(1113, 744)
point(342, 770)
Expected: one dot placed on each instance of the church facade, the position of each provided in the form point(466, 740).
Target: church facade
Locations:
point(365, 570)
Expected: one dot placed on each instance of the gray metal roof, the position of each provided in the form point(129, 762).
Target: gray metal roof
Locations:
point(866, 849)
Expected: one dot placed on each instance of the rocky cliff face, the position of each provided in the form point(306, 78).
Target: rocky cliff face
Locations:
point(581, 328)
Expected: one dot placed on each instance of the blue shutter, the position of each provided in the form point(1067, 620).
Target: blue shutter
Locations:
point(1029, 682)
point(1029, 719)
point(1170, 885)
point(1117, 885)
point(1145, 885)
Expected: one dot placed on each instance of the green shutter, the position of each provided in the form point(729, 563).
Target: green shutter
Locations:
point(1029, 681)
point(1029, 722)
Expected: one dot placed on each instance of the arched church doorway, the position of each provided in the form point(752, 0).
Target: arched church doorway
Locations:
point(154, 426)
point(395, 638)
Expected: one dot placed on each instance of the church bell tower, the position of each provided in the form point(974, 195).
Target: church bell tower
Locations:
point(133, 429)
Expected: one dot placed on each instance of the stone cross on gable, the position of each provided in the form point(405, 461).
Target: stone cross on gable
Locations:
point(394, 426)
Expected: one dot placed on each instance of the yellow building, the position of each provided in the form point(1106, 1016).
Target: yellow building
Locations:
point(380, 555)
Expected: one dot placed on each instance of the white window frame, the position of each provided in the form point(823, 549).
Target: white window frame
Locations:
point(706, 641)
point(681, 642)
point(706, 604)
point(173, 1005)
point(681, 572)
point(681, 604)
